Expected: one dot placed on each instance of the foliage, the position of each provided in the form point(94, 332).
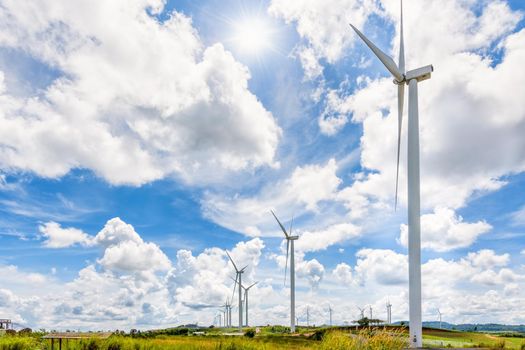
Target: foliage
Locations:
point(250, 333)
point(318, 334)
point(278, 329)
point(18, 343)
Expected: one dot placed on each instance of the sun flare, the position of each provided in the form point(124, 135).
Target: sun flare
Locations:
point(253, 36)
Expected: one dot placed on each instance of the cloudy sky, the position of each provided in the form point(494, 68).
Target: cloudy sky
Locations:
point(142, 139)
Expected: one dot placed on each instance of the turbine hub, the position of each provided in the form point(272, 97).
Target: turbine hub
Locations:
point(400, 82)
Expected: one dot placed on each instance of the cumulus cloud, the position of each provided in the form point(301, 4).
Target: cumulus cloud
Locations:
point(487, 258)
point(130, 90)
point(343, 273)
point(443, 230)
point(132, 284)
point(310, 270)
point(303, 191)
point(126, 251)
point(58, 237)
point(382, 266)
point(311, 241)
point(205, 280)
point(324, 27)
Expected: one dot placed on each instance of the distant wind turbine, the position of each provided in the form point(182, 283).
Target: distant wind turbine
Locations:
point(238, 279)
point(362, 312)
point(388, 312)
point(330, 311)
point(246, 290)
point(371, 315)
point(440, 314)
point(411, 78)
point(289, 249)
point(308, 316)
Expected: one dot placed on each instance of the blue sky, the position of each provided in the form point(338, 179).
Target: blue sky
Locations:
point(171, 118)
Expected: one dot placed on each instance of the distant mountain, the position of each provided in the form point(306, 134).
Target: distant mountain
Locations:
point(473, 327)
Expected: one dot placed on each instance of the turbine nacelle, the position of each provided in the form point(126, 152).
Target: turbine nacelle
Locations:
point(420, 74)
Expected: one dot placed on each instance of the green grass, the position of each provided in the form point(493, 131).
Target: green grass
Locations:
point(444, 338)
point(270, 338)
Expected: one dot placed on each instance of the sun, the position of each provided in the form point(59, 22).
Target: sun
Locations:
point(253, 36)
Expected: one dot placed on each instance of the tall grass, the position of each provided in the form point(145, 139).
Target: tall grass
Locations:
point(19, 343)
point(364, 340)
point(336, 340)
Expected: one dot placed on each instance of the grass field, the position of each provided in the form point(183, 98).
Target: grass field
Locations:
point(391, 338)
point(442, 338)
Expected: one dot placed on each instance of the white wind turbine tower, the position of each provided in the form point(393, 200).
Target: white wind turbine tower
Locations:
point(370, 308)
point(246, 290)
point(238, 279)
point(440, 314)
point(308, 316)
point(411, 78)
point(388, 312)
point(289, 249)
point(330, 311)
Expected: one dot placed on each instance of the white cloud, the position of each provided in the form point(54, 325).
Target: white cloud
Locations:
point(343, 273)
point(324, 26)
point(126, 251)
point(311, 241)
point(59, 237)
point(487, 258)
point(304, 190)
point(131, 90)
point(312, 270)
point(443, 230)
point(381, 266)
point(518, 217)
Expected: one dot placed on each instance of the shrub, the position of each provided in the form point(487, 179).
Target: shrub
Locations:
point(318, 334)
point(250, 333)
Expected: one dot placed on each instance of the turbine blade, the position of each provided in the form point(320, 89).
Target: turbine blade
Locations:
point(383, 57)
point(401, 44)
point(291, 225)
point(400, 101)
point(282, 227)
point(234, 285)
point(244, 268)
point(235, 266)
point(251, 285)
point(286, 263)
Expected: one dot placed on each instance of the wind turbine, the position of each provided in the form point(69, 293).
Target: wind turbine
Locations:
point(411, 78)
point(238, 279)
point(227, 313)
point(362, 312)
point(289, 248)
point(246, 289)
point(330, 311)
point(440, 314)
point(246, 299)
point(308, 316)
point(388, 312)
point(371, 315)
